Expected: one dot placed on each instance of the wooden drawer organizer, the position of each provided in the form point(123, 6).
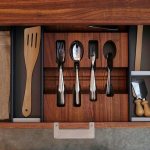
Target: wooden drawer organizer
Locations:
point(104, 109)
point(144, 72)
point(19, 77)
point(105, 112)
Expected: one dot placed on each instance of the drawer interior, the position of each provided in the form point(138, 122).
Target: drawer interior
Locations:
point(144, 73)
point(119, 108)
point(19, 77)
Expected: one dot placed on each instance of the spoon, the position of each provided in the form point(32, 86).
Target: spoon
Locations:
point(109, 53)
point(76, 52)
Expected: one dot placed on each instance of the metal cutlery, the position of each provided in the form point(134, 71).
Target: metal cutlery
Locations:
point(109, 53)
point(76, 52)
point(60, 59)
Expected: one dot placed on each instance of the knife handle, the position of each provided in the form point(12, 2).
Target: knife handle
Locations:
point(139, 111)
point(146, 108)
point(60, 89)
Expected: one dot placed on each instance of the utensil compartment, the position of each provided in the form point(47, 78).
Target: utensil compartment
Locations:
point(143, 73)
point(19, 78)
point(105, 108)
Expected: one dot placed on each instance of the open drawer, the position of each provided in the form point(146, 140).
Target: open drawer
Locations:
point(106, 111)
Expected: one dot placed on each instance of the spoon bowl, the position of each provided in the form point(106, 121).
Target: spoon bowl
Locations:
point(76, 51)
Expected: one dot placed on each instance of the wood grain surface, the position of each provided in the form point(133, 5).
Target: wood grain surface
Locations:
point(80, 27)
point(118, 76)
point(80, 125)
point(4, 74)
point(71, 11)
point(104, 109)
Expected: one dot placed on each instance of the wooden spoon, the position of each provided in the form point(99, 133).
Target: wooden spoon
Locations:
point(32, 38)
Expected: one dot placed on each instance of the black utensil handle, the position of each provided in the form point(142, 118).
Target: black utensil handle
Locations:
point(109, 87)
point(60, 98)
point(60, 89)
point(76, 97)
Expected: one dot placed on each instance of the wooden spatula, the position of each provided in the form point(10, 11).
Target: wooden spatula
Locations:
point(32, 38)
point(138, 48)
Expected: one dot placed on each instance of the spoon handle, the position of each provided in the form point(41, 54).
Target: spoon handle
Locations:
point(109, 88)
point(77, 93)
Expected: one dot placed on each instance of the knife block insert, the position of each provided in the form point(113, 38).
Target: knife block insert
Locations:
point(104, 109)
point(19, 78)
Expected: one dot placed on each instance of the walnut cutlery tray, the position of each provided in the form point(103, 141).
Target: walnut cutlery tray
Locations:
point(105, 111)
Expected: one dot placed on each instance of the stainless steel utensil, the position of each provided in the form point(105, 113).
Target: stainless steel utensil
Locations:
point(76, 52)
point(140, 88)
point(109, 53)
point(92, 80)
point(93, 52)
point(109, 88)
point(60, 59)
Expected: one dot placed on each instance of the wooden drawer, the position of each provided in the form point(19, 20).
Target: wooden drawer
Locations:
point(105, 112)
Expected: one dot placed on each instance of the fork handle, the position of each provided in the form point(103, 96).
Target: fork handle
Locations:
point(26, 108)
